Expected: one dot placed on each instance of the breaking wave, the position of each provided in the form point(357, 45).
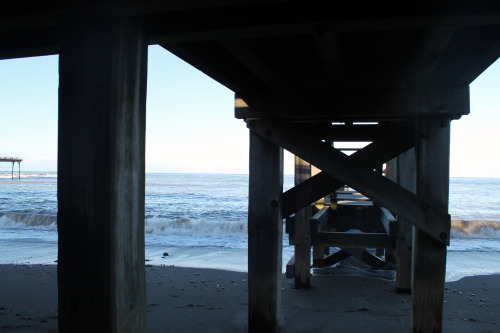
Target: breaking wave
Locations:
point(28, 221)
point(475, 229)
point(160, 226)
point(185, 226)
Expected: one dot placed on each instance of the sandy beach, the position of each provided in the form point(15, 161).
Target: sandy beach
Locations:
point(190, 299)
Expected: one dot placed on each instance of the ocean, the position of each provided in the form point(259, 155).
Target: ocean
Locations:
point(200, 220)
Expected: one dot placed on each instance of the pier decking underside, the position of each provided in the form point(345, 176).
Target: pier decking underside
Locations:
point(306, 76)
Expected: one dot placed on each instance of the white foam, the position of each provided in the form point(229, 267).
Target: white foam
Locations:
point(28, 221)
point(184, 226)
point(28, 175)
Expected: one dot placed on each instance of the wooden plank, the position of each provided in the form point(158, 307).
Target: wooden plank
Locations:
point(389, 222)
point(353, 240)
point(100, 187)
point(328, 48)
point(368, 104)
point(290, 268)
point(302, 229)
point(340, 132)
point(235, 21)
point(336, 258)
point(429, 255)
point(396, 142)
point(351, 196)
point(429, 55)
point(429, 218)
point(319, 219)
point(355, 203)
point(402, 171)
point(261, 66)
point(290, 229)
point(215, 61)
point(368, 258)
point(265, 232)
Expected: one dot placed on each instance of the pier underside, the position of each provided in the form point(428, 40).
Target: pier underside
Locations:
point(306, 76)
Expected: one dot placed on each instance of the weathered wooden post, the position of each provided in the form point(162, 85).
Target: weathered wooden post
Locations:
point(265, 234)
point(429, 255)
point(101, 160)
point(402, 171)
point(302, 231)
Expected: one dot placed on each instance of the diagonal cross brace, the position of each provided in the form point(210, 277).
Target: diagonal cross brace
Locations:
point(424, 215)
point(378, 152)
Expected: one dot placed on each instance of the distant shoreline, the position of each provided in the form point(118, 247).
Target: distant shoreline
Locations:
point(223, 173)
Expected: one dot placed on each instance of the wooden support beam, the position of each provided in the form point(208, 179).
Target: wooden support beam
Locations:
point(335, 258)
point(101, 167)
point(402, 171)
point(429, 255)
point(426, 216)
point(319, 219)
point(389, 222)
point(327, 44)
point(397, 141)
point(348, 132)
point(302, 231)
point(317, 223)
point(354, 240)
point(264, 68)
point(430, 54)
point(367, 104)
point(368, 258)
point(265, 233)
point(290, 268)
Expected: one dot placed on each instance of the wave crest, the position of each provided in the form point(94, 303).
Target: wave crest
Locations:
point(475, 229)
point(28, 221)
point(185, 226)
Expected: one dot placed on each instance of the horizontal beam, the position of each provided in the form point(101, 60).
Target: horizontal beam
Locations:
point(354, 240)
point(346, 133)
point(423, 214)
point(240, 16)
point(398, 140)
point(29, 43)
point(359, 103)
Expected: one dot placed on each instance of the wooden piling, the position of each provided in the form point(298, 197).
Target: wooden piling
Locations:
point(101, 165)
point(402, 171)
point(302, 229)
point(429, 255)
point(265, 234)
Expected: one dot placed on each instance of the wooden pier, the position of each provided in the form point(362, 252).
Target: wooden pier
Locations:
point(13, 160)
point(305, 74)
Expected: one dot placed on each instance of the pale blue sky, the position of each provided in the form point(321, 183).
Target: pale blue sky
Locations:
point(190, 120)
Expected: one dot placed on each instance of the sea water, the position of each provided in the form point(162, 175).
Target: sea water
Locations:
point(200, 220)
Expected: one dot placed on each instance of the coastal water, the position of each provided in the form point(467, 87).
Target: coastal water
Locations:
point(200, 220)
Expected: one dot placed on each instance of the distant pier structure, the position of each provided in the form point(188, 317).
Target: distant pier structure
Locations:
point(13, 160)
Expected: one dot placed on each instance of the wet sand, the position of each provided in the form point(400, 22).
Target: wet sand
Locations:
point(191, 299)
